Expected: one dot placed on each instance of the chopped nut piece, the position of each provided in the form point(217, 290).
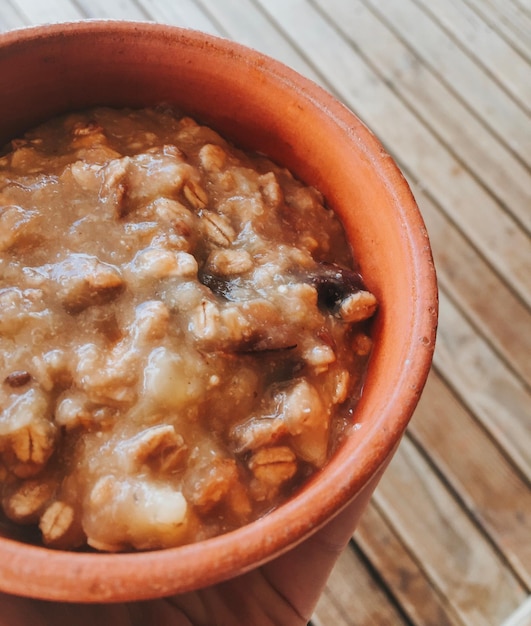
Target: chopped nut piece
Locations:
point(273, 466)
point(22, 410)
point(205, 320)
point(307, 421)
point(20, 308)
point(130, 182)
point(217, 229)
point(17, 225)
point(75, 410)
point(26, 502)
point(256, 326)
point(110, 376)
point(257, 432)
point(84, 129)
point(86, 174)
point(151, 322)
point(271, 189)
point(23, 158)
point(319, 356)
point(342, 387)
point(208, 484)
point(299, 416)
point(171, 210)
point(297, 300)
point(187, 122)
point(212, 157)
point(114, 187)
point(52, 369)
point(26, 451)
point(362, 344)
point(173, 381)
point(58, 527)
point(177, 215)
point(358, 307)
point(160, 447)
point(83, 281)
point(195, 194)
point(145, 515)
point(154, 263)
point(229, 262)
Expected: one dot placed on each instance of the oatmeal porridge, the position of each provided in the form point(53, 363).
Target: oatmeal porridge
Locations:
point(183, 338)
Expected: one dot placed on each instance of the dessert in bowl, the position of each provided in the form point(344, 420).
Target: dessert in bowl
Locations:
point(241, 99)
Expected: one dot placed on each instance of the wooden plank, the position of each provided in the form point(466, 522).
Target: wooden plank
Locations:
point(118, 9)
point(37, 12)
point(509, 19)
point(184, 13)
point(432, 44)
point(327, 611)
point(402, 574)
point(455, 125)
point(482, 296)
point(522, 615)
point(10, 17)
point(523, 5)
point(484, 384)
point(239, 20)
point(460, 562)
point(242, 21)
point(485, 45)
point(484, 479)
point(490, 229)
point(354, 597)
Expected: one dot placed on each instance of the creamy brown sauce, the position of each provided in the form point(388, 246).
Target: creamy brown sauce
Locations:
point(181, 340)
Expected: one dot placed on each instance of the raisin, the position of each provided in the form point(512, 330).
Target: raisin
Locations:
point(18, 378)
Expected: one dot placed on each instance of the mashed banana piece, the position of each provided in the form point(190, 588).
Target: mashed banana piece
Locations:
point(182, 341)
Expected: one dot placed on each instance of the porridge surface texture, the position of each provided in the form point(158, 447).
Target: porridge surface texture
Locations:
point(182, 335)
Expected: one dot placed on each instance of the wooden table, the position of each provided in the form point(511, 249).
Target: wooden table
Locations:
point(446, 85)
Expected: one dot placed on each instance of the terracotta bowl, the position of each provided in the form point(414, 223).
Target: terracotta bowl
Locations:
point(260, 104)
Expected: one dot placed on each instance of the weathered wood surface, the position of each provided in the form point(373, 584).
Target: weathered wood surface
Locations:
point(446, 85)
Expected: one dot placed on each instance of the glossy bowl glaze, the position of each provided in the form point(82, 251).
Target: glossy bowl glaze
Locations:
point(260, 104)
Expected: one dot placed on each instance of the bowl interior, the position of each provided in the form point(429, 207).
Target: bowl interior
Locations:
point(259, 104)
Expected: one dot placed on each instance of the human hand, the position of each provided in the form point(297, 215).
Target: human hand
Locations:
point(283, 592)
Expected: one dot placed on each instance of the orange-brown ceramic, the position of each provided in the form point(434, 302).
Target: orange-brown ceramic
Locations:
point(259, 104)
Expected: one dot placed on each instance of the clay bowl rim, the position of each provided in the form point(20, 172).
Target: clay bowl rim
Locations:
point(26, 569)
